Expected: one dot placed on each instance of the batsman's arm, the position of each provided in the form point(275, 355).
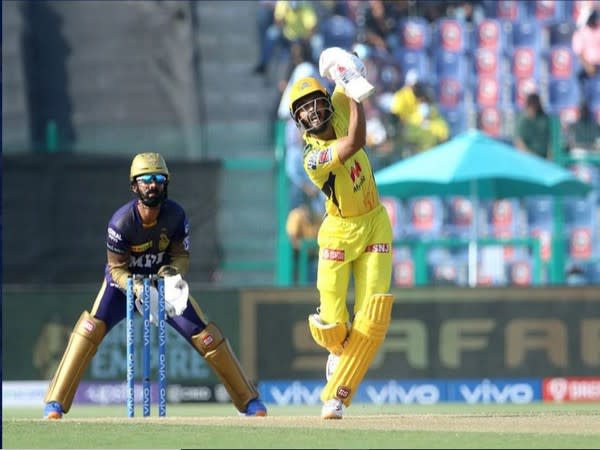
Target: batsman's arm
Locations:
point(356, 139)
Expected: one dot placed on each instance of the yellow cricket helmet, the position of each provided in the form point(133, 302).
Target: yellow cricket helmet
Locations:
point(144, 163)
point(302, 87)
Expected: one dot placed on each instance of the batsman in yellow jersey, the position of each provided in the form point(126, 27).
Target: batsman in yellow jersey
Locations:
point(355, 239)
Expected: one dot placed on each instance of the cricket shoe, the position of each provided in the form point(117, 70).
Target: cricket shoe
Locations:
point(332, 409)
point(53, 411)
point(255, 408)
point(332, 363)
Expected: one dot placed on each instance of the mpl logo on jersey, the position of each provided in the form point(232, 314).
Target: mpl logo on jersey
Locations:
point(514, 390)
point(571, 389)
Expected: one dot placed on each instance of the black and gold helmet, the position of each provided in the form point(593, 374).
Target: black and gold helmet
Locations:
point(144, 163)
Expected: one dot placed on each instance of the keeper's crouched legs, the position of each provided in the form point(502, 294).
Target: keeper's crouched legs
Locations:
point(217, 352)
point(368, 332)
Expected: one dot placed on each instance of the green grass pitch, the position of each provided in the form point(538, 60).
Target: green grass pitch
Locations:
point(364, 426)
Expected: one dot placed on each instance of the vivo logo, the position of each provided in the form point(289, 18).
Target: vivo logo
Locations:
point(488, 392)
point(296, 394)
point(392, 392)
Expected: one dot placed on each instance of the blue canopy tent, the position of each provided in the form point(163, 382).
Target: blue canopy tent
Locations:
point(477, 166)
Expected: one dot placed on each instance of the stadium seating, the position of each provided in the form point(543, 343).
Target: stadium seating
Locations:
point(564, 96)
point(449, 92)
point(520, 272)
point(527, 33)
point(487, 62)
point(460, 217)
point(586, 172)
point(581, 243)
point(389, 75)
point(563, 63)
point(414, 59)
point(451, 64)
point(395, 210)
point(539, 213)
point(592, 271)
point(338, 31)
point(490, 119)
point(488, 92)
point(579, 212)
point(415, 34)
point(503, 217)
point(425, 217)
point(448, 271)
point(404, 273)
point(547, 11)
point(510, 10)
point(538, 210)
point(451, 35)
point(525, 63)
point(561, 33)
point(505, 221)
point(491, 34)
point(456, 117)
point(520, 88)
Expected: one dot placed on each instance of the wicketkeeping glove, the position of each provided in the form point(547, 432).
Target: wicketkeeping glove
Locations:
point(176, 295)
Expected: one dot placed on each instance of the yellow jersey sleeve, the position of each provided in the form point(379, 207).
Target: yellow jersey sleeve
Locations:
point(350, 186)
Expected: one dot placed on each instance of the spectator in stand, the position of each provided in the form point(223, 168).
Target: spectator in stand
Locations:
point(431, 10)
point(404, 102)
point(584, 134)
point(586, 45)
point(294, 21)
point(425, 127)
point(470, 12)
point(264, 20)
point(381, 23)
point(532, 133)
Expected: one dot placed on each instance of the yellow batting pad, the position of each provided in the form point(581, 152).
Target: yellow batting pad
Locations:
point(215, 349)
point(83, 344)
point(367, 335)
point(329, 336)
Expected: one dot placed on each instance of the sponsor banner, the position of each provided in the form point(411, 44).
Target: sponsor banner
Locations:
point(520, 391)
point(24, 393)
point(419, 392)
point(571, 389)
point(178, 393)
point(114, 393)
point(111, 393)
point(32, 393)
point(43, 337)
point(406, 392)
point(450, 334)
point(291, 392)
